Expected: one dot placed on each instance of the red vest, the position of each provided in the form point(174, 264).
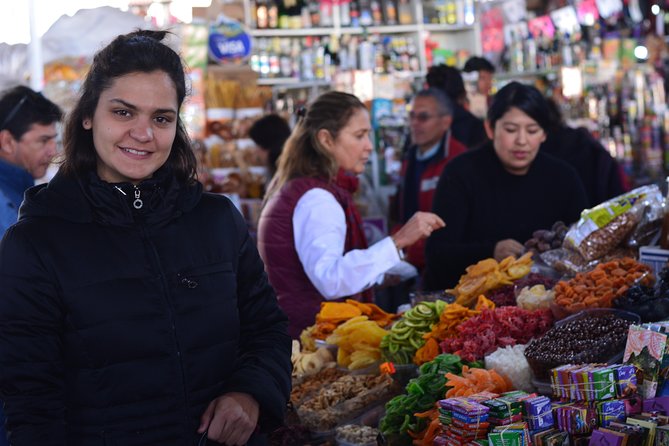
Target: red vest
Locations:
point(297, 296)
point(415, 254)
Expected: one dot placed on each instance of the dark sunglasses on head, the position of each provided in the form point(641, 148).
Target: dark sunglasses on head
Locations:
point(15, 110)
point(422, 116)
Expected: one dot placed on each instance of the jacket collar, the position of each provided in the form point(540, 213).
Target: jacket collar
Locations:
point(90, 199)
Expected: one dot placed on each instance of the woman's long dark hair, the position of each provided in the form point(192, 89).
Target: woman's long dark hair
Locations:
point(136, 52)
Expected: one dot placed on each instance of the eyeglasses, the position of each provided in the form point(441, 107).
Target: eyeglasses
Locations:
point(12, 113)
point(422, 116)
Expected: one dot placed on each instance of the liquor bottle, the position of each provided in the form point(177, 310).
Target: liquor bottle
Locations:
point(273, 14)
point(377, 15)
point(530, 53)
point(389, 12)
point(262, 18)
point(354, 12)
point(451, 12)
point(315, 13)
point(470, 12)
point(307, 64)
point(283, 7)
point(274, 57)
point(345, 12)
point(285, 61)
point(326, 9)
point(405, 16)
point(365, 10)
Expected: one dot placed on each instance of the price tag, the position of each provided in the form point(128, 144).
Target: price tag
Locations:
point(514, 10)
point(492, 40)
point(542, 27)
point(572, 82)
point(492, 18)
point(609, 8)
point(587, 12)
point(566, 20)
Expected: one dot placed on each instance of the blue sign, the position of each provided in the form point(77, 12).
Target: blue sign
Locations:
point(227, 40)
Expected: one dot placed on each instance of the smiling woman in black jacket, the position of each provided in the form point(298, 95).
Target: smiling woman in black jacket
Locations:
point(134, 308)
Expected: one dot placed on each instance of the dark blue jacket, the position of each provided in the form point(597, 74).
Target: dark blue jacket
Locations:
point(119, 326)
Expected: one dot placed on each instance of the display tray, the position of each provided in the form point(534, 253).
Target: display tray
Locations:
point(540, 370)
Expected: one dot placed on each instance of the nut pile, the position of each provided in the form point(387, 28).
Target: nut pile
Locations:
point(588, 339)
point(357, 435)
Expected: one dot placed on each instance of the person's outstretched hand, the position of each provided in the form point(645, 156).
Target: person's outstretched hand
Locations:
point(230, 419)
point(419, 226)
point(506, 248)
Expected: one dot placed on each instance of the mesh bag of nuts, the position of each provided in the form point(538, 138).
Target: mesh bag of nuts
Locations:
point(605, 226)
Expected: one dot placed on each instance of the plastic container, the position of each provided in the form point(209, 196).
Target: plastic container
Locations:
point(332, 347)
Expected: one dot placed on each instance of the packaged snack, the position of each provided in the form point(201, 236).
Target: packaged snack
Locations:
point(605, 226)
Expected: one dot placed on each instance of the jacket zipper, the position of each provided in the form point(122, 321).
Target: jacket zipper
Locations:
point(170, 307)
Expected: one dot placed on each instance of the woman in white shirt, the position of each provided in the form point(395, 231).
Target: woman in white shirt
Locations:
point(310, 234)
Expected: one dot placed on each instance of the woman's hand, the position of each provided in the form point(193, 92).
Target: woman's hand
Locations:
point(506, 248)
point(419, 226)
point(230, 419)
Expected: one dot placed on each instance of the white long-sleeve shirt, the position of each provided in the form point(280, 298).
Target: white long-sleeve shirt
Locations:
point(319, 228)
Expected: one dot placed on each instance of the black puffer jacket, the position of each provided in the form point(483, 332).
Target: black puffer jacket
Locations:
point(118, 326)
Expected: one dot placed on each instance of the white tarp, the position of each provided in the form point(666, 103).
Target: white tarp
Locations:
point(80, 35)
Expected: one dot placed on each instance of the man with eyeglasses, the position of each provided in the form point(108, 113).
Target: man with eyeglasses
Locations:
point(27, 147)
point(432, 148)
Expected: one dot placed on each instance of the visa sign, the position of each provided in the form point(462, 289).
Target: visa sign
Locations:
point(227, 40)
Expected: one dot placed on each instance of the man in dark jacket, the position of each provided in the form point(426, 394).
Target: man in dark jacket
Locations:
point(467, 128)
point(433, 147)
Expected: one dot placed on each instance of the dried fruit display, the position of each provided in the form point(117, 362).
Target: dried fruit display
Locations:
point(488, 275)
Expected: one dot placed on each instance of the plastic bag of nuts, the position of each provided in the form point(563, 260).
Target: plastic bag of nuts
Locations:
point(605, 226)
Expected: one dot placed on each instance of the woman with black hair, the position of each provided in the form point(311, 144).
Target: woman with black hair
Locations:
point(466, 128)
point(270, 133)
point(134, 308)
point(493, 198)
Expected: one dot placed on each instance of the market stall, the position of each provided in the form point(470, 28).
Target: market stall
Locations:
point(563, 345)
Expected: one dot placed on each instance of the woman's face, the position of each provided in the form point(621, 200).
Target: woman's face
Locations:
point(353, 145)
point(134, 126)
point(516, 138)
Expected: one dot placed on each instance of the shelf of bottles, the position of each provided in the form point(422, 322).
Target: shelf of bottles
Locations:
point(297, 15)
point(543, 56)
point(632, 122)
point(310, 40)
point(314, 58)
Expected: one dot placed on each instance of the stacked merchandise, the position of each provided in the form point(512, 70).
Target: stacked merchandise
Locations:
point(463, 420)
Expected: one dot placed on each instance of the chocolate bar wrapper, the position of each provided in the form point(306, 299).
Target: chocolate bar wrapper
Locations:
point(609, 411)
point(625, 376)
point(538, 413)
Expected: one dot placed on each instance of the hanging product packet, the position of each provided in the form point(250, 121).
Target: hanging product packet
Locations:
point(605, 226)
